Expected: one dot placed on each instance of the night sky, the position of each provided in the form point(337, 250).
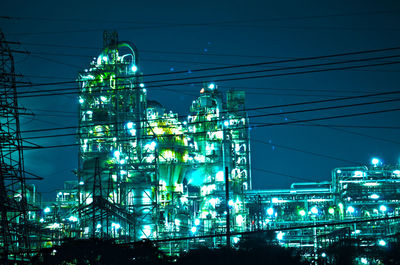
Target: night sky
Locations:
point(63, 37)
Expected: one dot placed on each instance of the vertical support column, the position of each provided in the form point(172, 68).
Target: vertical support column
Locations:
point(228, 223)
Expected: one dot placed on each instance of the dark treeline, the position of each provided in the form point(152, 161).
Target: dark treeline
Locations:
point(260, 249)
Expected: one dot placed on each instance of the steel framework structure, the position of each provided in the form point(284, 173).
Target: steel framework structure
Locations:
point(14, 234)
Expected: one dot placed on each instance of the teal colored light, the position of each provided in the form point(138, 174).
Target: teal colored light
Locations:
point(375, 161)
point(382, 243)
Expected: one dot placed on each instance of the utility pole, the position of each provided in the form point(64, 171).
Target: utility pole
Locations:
point(228, 224)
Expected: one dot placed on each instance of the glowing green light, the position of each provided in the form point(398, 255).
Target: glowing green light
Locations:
point(302, 213)
point(331, 210)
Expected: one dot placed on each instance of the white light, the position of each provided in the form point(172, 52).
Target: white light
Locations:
point(231, 203)
point(197, 221)
point(177, 222)
point(239, 220)
point(375, 161)
point(81, 183)
point(122, 161)
point(383, 208)
point(220, 176)
point(364, 261)
point(314, 210)
point(382, 243)
point(338, 171)
point(153, 144)
point(134, 68)
point(226, 123)
point(350, 209)
point(396, 172)
point(81, 100)
point(46, 210)
point(236, 240)
point(105, 58)
point(323, 254)
point(302, 212)
point(54, 226)
point(141, 85)
point(98, 226)
point(194, 229)
point(103, 98)
point(331, 211)
point(129, 125)
point(371, 184)
point(41, 220)
point(115, 226)
point(117, 154)
point(374, 196)
point(211, 86)
point(274, 200)
point(73, 219)
point(270, 211)
point(280, 235)
point(358, 174)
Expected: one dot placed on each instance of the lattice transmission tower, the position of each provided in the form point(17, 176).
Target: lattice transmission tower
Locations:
point(14, 232)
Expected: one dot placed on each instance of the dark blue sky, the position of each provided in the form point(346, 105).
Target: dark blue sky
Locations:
point(185, 35)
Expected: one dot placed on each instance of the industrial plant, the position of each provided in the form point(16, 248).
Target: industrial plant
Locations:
point(147, 173)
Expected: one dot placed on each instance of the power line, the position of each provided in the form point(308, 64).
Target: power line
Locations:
point(254, 116)
point(306, 152)
point(222, 80)
point(162, 25)
point(282, 174)
point(255, 126)
point(259, 64)
point(258, 108)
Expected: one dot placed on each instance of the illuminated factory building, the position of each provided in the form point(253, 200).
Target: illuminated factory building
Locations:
point(144, 172)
